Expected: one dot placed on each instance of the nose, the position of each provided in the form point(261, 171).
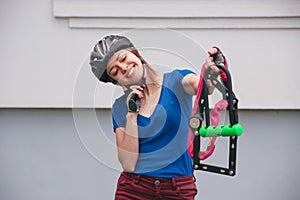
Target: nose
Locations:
point(123, 67)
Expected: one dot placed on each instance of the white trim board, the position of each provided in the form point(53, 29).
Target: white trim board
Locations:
point(179, 14)
point(176, 8)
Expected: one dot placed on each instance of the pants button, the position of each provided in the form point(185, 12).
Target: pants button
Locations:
point(157, 182)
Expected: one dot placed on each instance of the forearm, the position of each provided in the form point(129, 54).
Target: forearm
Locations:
point(128, 144)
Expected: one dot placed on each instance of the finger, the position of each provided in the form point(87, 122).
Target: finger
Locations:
point(209, 83)
point(214, 68)
point(208, 61)
point(139, 93)
point(136, 87)
point(212, 51)
point(140, 88)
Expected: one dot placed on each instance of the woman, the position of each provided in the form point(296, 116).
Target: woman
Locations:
point(150, 121)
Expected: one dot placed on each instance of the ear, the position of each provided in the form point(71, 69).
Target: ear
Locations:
point(135, 52)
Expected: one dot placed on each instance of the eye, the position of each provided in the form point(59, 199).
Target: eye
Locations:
point(123, 58)
point(115, 72)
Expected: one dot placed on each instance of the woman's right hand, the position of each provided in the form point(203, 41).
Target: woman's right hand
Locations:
point(133, 98)
point(136, 89)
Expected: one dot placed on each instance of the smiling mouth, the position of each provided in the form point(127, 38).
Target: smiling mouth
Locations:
point(131, 71)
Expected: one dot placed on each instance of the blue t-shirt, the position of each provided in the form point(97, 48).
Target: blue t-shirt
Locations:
point(163, 135)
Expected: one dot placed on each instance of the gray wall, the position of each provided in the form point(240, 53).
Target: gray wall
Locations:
point(43, 156)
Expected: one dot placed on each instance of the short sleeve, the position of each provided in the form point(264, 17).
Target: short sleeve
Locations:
point(177, 76)
point(119, 111)
point(185, 72)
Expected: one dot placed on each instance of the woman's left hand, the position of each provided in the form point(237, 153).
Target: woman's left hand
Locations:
point(211, 60)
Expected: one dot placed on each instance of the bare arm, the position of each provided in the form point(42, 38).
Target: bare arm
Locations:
point(190, 82)
point(127, 143)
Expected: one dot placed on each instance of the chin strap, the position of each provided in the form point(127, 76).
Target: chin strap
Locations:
point(143, 80)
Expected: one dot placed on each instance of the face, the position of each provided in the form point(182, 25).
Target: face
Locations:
point(125, 67)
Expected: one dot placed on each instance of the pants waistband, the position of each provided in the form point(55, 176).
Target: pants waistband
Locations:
point(140, 177)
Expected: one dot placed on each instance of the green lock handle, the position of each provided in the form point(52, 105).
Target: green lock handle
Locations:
point(225, 131)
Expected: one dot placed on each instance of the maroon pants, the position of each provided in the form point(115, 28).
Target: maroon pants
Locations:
point(133, 186)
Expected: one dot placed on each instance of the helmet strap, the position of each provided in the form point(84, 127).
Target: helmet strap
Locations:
point(143, 80)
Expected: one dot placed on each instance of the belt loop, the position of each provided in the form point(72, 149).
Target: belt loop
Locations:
point(137, 179)
point(174, 183)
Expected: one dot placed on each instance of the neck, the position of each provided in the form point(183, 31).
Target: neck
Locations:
point(152, 91)
point(153, 83)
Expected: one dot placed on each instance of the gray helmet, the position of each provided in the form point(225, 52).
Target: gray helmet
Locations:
point(103, 51)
